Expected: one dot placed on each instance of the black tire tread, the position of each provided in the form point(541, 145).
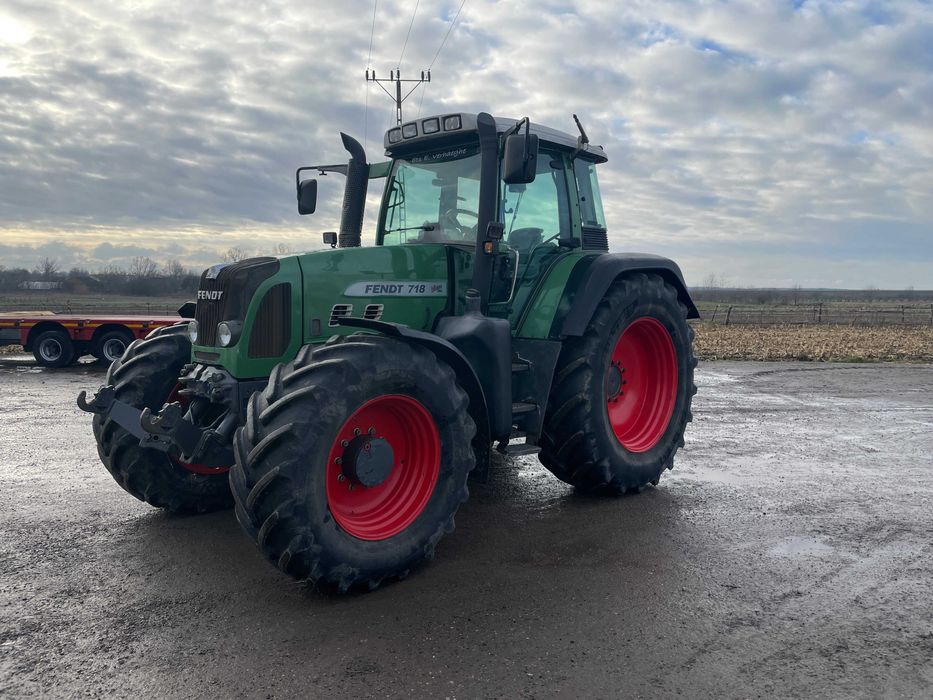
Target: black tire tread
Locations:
point(139, 379)
point(267, 476)
point(569, 448)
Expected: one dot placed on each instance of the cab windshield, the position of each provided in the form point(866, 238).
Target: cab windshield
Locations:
point(432, 198)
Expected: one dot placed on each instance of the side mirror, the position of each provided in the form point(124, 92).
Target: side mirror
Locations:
point(307, 196)
point(330, 238)
point(520, 159)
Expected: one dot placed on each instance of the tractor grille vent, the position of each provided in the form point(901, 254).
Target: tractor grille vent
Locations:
point(595, 239)
point(225, 291)
point(339, 311)
point(272, 326)
point(373, 312)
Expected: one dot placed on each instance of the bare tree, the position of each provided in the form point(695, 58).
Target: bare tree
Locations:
point(282, 249)
point(143, 267)
point(711, 281)
point(173, 268)
point(796, 292)
point(870, 291)
point(47, 267)
point(235, 254)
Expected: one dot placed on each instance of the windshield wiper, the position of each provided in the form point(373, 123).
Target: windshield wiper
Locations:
point(422, 227)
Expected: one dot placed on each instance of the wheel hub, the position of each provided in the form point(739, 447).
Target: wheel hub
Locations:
point(614, 381)
point(368, 461)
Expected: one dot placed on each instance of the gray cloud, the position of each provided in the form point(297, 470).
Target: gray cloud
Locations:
point(773, 142)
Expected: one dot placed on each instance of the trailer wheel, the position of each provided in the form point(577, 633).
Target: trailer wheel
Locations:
point(111, 346)
point(54, 348)
point(353, 461)
point(146, 376)
point(622, 391)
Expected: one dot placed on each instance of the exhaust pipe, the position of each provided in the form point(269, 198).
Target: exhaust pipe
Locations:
point(354, 194)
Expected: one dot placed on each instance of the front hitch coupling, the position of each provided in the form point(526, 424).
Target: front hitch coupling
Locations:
point(101, 402)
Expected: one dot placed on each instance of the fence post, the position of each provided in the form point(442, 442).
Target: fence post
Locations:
point(931, 314)
point(728, 314)
point(819, 318)
point(716, 311)
point(903, 320)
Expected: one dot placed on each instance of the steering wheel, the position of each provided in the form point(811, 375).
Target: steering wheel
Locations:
point(450, 216)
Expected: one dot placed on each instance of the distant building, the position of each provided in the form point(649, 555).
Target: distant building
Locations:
point(40, 286)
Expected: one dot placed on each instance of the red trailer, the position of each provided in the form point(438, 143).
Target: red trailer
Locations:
point(59, 340)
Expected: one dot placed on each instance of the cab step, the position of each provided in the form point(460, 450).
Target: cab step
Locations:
point(522, 448)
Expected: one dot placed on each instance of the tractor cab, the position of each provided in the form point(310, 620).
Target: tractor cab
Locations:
point(508, 197)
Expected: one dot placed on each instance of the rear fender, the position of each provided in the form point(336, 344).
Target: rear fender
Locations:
point(581, 299)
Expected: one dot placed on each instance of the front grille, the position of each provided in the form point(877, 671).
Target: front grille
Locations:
point(224, 294)
point(595, 239)
point(339, 311)
point(272, 326)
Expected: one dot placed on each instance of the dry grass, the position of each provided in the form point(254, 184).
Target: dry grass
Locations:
point(812, 342)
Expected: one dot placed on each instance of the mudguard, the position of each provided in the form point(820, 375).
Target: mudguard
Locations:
point(582, 298)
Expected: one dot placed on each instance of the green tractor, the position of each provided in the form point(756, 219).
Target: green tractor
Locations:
point(340, 400)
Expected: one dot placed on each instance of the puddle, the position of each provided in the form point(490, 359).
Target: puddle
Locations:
point(799, 546)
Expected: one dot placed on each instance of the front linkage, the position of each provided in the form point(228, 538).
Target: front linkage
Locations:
point(204, 392)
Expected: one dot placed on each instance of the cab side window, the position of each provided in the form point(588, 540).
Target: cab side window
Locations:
point(538, 211)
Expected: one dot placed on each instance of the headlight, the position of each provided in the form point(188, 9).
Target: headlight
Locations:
point(227, 333)
point(193, 331)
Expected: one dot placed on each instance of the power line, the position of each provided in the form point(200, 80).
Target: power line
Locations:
point(372, 31)
point(369, 58)
point(410, 25)
point(449, 29)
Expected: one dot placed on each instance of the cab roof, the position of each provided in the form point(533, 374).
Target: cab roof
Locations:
point(426, 132)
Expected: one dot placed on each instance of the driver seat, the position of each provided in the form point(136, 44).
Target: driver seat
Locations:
point(524, 239)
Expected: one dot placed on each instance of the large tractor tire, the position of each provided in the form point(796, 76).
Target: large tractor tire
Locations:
point(146, 376)
point(622, 391)
point(353, 461)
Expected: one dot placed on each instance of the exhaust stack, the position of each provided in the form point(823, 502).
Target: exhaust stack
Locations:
point(354, 194)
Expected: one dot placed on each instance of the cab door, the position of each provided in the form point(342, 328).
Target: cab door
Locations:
point(535, 217)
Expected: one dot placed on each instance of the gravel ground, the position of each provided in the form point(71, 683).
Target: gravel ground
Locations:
point(788, 554)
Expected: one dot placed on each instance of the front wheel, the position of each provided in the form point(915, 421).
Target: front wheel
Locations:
point(353, 461)
point(146, 376)
point(622, 392)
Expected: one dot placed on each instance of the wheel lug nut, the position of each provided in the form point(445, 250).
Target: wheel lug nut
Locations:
point(344, 443)
point(357, 431)
point(339, 460)
point(341, 477)
point(372, 430)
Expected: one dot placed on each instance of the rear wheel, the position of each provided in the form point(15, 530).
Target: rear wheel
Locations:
point(54, 349)
point(353, 461)
point(146, 376)
point(622, 392)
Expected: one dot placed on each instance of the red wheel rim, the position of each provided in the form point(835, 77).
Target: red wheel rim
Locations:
point(384, 510)
point(175, 395)
point(641, 384)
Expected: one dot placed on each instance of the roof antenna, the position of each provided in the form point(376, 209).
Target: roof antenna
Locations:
point(582, 139)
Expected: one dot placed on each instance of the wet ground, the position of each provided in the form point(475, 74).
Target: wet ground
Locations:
point(788, 554)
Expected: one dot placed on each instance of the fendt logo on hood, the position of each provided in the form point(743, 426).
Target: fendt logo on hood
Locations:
point(210, 295)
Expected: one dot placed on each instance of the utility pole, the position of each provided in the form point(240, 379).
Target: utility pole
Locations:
point(395, 76)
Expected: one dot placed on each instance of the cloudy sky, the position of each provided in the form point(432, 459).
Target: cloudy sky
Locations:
point(770, 143)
